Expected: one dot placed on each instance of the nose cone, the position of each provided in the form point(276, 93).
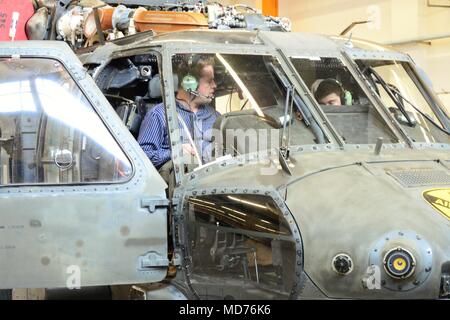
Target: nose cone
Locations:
point(355, 210)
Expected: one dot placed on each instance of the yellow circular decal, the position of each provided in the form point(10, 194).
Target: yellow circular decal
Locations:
point(399, 264)
point(439, 199)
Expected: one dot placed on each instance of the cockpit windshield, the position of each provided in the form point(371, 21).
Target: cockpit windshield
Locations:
point(342, 100)
point(250, 105)
point(402, 93)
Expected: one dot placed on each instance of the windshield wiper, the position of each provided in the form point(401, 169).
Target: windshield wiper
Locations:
point(306, 115)
point(396, 95)
point(397, 92)
point(378, 79)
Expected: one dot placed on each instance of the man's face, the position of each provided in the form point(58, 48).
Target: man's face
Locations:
point(331, 100)
point(207, 86)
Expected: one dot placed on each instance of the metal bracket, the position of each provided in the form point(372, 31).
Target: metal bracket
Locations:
point(153, 203)
point(283, 157)
point(152, 260)
point(7, 144)
point(176, 260)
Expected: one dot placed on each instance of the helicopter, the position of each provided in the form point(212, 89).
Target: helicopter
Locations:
point(297, 198)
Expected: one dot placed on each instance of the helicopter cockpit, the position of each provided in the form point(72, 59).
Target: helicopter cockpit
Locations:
point(355, 118)
point(267, 100)
point(256, 104)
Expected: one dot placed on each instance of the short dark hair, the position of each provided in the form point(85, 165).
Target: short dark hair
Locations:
point(199, 64)
point(327, 87)
point(193, 64)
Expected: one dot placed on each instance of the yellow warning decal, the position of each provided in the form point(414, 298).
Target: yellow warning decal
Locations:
point(439, 199)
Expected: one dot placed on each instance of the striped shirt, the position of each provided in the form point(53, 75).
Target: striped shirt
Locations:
point(154, 139)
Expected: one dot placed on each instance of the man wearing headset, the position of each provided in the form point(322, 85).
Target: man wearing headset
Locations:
point(195, 117)
point(330, 92)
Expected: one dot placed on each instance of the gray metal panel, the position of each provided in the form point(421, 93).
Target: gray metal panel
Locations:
point(100, 228)
point(302, 44)
point(343, 201)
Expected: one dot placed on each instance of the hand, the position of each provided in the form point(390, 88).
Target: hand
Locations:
point(188, 149)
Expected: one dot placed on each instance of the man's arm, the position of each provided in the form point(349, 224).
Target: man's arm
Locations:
point(153, 138)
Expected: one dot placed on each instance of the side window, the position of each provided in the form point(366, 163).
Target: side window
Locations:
point(241, 246)
point(133, 87)
point(49, 133)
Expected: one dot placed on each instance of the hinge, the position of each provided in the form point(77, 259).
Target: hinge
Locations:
point(176, 260)
point(152, 260)
point(153, 203)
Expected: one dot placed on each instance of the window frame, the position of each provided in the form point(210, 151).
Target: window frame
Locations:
point(102, 118)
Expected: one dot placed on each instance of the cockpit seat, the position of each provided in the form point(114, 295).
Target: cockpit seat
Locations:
point(132, 115)
point(155, 89)
point(358, 122)
point(245, 132)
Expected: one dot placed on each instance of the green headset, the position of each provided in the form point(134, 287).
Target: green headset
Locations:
point(346, 96)
point(189, 82)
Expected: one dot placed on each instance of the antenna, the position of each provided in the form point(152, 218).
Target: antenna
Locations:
point(352, 25)
point(349, 41)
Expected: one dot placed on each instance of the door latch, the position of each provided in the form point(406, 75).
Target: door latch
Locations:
point(152, 259)
point(153, 203)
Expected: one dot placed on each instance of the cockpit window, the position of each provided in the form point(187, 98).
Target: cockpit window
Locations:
point(342, 100)
point(399, 89)
point(253, 105)
point(49, 132)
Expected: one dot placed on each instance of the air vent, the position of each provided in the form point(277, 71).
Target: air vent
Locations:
point(420, 177)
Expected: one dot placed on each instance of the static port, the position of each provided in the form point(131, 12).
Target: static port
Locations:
point(342, 264)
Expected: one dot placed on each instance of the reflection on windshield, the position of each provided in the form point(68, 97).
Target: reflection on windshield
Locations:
point(49, 132)
point(241, 244)
point(342, 100)
point(250, 95)
point(401, 95)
